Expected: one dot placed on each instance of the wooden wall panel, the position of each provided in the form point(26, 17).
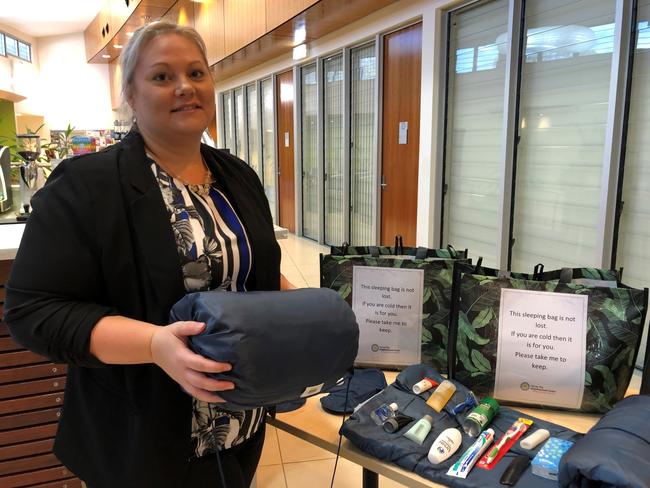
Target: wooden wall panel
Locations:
point(284, 99)
point(208, 21)
point(245, 21)
point(181, 13)
point(279, 11)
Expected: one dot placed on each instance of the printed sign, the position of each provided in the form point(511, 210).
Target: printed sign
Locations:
point(541, 348)
point(388, 305)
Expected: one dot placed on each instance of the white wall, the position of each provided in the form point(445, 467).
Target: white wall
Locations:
point(382, 21)
point(21, 77)
point(71, 89)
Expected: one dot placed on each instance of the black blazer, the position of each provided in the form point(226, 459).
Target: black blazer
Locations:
point(99, 243)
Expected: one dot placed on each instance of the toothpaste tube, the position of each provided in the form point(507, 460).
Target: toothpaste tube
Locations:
point(464, 465)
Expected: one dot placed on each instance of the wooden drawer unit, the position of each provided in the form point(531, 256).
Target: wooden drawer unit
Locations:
point(31, 395)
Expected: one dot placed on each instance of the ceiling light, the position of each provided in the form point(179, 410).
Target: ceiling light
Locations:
point(300, 35)
point(118, 46)
point(106, 56)
point(129, 34)
point(300, 52)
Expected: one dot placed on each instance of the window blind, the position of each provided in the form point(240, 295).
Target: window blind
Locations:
point(268, 144)
point(333, 148)
point(475, 96)
point(229, 134)
point(253, 129)
point(240, 127)
point(363, 74)
point(309, 153)
point(563, 115)
point(634, 228)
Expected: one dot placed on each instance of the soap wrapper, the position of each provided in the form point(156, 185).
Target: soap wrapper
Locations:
point(546, 463)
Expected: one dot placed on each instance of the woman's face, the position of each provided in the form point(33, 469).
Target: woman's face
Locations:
point(172, 93)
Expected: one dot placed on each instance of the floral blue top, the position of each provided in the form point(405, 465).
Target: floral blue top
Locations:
point(215, 253)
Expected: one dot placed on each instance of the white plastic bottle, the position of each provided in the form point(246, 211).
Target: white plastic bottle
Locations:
point(446, 444)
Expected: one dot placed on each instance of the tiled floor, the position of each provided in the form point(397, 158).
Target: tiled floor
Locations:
point(289, 462)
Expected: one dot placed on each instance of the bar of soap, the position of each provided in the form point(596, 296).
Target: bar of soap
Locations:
point(535, 439)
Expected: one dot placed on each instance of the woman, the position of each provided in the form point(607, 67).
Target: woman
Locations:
point(115, 239)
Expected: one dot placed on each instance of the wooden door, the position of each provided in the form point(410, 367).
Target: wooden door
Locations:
point(286, 167)
point(400, 148)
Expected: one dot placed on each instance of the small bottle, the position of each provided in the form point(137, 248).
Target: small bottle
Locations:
point(445, 445)
point(480, 416)
point(383, 413)
point(423, 385)
point(441, 395)
point(395, 423)
point(420, 430)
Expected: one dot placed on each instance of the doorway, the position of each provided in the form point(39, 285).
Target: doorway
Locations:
point(402, 66)
point(286, 166)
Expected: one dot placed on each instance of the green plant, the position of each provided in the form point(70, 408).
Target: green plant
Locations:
point(61, 146)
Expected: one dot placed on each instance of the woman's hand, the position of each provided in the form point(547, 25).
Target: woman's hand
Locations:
point(170, 352)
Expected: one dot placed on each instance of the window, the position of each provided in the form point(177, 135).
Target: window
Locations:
point(24, 51)
point(564, 107)
point(253, 129)
point(12, 45)
point(309, 150)
point(363, 74)
point(2, 45)
point(634, 224)
point(240, 125)
point(333, 149)
point(475, 96)
point(532, 130)
point(268, 145)
point(229, 135)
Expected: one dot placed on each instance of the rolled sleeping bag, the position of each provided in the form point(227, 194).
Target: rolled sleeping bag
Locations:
point(282, 345)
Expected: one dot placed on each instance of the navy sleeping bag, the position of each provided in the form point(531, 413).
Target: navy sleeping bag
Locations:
point(282, 345)
point(615, 452)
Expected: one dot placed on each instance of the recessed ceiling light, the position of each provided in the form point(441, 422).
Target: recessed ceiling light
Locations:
point(300, 52)
point(129, 34)
point(106, 56)
point(118, 46)
point(300, 35)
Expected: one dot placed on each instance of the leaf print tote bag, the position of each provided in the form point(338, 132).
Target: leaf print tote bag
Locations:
point(337, 270)
point(563, 339)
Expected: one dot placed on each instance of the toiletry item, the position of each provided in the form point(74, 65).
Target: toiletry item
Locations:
point(535, 439)
point(383, 413)
point(462, 467)
point(419, 431)
point(514, 470)
point(547, 462)
point(423, 385)
point(446, 444)
point(441, 395)
point(480, 416)
point(470, 402)
point(504, 444)
point(395, 423)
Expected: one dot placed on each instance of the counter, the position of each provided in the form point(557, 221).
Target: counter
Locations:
point(10, 236)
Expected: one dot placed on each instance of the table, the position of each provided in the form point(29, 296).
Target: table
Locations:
point(312, 424)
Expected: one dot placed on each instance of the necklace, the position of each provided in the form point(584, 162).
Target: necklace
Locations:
point(202, 189)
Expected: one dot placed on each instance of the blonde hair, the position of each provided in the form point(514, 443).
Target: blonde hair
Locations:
point(141, 38)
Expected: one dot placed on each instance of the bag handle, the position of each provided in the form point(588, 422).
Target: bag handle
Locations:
point(537, 272)
point(566, 275)
point(645, 373)
point(399, 245)
point(452, 252)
